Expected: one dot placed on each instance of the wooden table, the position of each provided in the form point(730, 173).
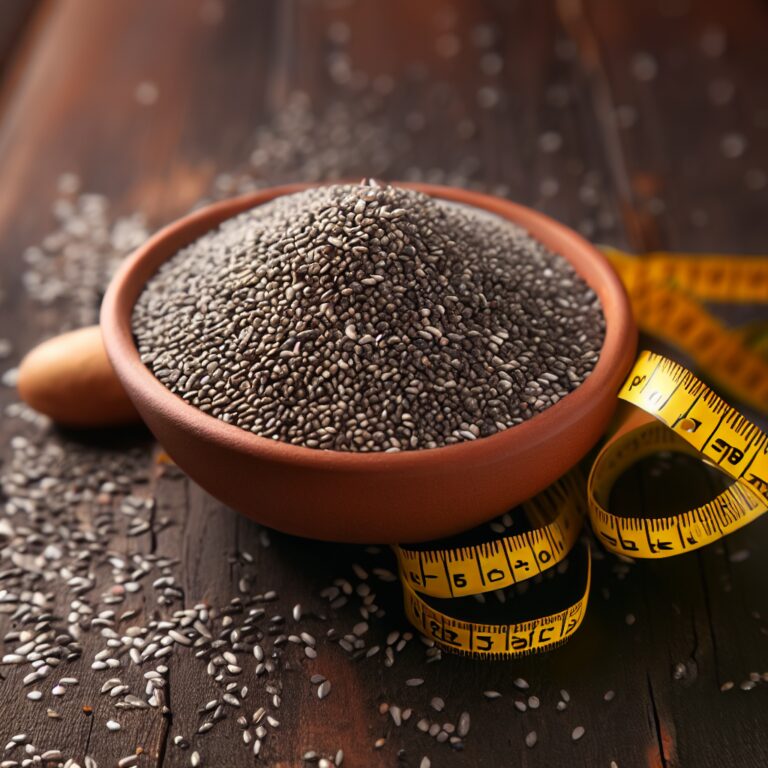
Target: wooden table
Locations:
point(641, 124)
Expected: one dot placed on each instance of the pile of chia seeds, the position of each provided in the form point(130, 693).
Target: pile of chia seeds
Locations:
point(368, 318)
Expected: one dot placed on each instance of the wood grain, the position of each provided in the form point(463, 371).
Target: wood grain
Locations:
point(638, 163)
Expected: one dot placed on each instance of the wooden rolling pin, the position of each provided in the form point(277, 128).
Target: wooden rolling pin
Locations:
point(70, 379)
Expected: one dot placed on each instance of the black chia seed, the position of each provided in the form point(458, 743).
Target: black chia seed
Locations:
point(368, 318)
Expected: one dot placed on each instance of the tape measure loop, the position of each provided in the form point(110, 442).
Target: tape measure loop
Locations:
point(692, 419)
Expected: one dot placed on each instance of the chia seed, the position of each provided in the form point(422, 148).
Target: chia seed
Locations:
point(368, 318)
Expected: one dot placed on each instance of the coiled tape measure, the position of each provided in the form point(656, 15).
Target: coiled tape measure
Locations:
point(452, 591)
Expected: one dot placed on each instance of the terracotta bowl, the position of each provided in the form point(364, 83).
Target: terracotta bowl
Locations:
point(369, 497)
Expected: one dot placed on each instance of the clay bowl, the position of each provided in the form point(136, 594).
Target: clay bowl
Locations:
point(387, 497)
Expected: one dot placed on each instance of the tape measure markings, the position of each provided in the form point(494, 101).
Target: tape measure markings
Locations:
point(667, 305)
point(496, 641)
point(691, 419)
point(459, 571)
point(744, 438)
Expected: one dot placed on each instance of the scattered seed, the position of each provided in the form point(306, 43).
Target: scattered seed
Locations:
point(323, 689)
point(437, 704)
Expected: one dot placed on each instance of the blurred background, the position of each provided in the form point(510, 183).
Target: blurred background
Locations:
point(641, 124)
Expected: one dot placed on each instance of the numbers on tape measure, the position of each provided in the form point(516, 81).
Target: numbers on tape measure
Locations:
point(689, 418)
point(694, 420)
point(460, 571)
point(699, 416)
point(496, 641)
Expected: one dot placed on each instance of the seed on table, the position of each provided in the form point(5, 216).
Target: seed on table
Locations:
point(323, 689)
point(113, 725)
point(360, 628)
point(531, 739)
point(437, 704)
point(34, 695)
point(608, 695)
point(179, 637)
point(577, 732)
point(425, 762)
point(195, 760)
point(521, 684)
point(491, 694)
point(379, 743)
point(413, 682)
point(463, 727)
point(128, 761)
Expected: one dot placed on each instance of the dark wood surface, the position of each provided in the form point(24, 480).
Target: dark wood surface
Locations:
point(642, 124)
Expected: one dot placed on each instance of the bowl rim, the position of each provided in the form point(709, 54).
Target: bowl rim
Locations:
point(617, 349)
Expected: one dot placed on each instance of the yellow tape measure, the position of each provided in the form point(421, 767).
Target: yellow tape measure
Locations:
point(689, 417)
point(458, 572)
point(694, 419)
point(717, 278)
point(667, 291)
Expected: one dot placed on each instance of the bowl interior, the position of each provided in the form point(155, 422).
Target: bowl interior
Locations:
point(614, 361)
